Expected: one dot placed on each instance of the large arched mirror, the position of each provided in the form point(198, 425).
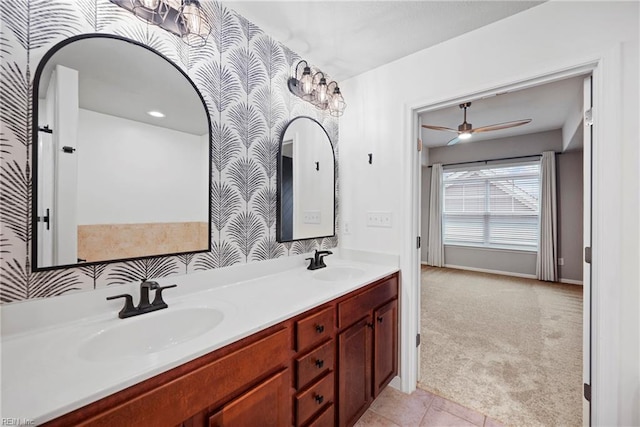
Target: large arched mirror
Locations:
point(306, 182)
point(121, 155)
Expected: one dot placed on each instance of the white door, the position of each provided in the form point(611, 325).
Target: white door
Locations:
point(586, 267)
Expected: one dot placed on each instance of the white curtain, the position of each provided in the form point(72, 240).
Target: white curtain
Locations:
point(435, 251)
point(546, 268)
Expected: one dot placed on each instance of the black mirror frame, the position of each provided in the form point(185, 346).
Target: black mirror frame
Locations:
point(34, 152)
point(279, 184)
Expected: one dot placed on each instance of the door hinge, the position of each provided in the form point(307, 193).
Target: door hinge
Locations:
point(419, 144)
point(587, 255)
point(588, 117)
point(46, 219)
point(68, 150)
point(418, 242)
point(587, 392)
point(418, 340)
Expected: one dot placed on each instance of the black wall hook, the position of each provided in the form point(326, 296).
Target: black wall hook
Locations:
point(317, 166)
point(370, 158)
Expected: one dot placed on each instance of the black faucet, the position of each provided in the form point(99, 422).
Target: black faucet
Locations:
point(318, 260)
point(144, 306)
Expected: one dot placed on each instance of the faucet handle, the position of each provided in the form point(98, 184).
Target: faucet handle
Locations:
point(158, 301)
point(128, 310)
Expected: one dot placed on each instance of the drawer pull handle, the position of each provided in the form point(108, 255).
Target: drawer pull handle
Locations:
point(319, 363)
point(370, 325)
point(319, 329)
point(380, 318)
point(319, 398)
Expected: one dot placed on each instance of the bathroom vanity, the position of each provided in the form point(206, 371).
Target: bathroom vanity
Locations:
point(293, 347)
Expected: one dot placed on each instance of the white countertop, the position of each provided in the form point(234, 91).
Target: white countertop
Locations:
point(44, 376)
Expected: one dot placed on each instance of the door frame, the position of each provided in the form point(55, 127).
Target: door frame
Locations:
point(606, 265)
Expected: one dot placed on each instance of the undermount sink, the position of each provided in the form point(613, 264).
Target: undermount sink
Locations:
point(149, 333)
point(337, 274)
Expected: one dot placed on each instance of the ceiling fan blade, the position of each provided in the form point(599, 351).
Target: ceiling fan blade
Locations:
point(454, 141)
point(439, 128)
point(499, 126)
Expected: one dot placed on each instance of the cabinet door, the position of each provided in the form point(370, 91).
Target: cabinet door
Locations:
point(267, 404)
point(354, 361)
point(385, 345)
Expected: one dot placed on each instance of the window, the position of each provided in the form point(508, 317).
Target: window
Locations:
point(494, 206)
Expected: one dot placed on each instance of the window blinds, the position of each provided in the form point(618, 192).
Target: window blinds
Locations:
point(497, 206)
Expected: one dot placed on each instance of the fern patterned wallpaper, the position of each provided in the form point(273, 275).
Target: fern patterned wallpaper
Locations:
point(242, 74)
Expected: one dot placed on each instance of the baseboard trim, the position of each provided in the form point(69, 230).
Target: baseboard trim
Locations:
point(507, 273)
point(571, 281)
point(486, 270)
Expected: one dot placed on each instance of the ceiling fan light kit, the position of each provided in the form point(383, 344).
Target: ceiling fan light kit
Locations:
point(313, 88)
point(466, 130)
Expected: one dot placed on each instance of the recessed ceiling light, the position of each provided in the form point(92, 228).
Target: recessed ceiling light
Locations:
point(155, 113)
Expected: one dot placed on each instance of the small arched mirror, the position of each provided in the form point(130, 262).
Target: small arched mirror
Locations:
point(306, 182)
point(121, 155)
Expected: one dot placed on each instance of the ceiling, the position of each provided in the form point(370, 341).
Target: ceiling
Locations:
point(347, 38)
point(549, 106)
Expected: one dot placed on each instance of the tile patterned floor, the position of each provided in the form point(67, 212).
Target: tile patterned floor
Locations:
point(420, 409)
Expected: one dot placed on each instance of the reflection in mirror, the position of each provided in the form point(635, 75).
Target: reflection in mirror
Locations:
point(121, 155)
point(306, 182)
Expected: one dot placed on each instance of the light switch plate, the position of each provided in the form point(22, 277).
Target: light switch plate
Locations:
point(379, 219)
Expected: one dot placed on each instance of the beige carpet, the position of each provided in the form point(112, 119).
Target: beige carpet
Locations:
point(510, 348)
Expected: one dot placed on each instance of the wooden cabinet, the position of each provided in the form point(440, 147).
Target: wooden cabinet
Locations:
point(319, 369)
point(264, 405)
point(385, 345)
point(354, 360)
point(367, 349)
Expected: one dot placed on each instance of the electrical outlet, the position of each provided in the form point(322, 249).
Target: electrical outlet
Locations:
point(560, 261)
point(311, 217)
point(347, 227)
point(379, 219)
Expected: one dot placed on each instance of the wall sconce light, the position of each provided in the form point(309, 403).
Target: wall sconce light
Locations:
point(314, 88)
point(184, 18)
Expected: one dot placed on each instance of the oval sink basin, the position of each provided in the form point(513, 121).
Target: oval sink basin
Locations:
point(142, 335)
point(337, 274)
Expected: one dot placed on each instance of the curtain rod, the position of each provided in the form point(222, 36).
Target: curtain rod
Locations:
point(493, 160)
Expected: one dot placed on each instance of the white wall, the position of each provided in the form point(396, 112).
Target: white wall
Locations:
point(547, 38)
point(131, 172)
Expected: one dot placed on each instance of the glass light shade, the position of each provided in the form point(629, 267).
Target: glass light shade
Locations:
point(196, 28)
point(336, 103)
point(150, 4)
point(464, 135)
point(321, 91)
point(306, 81)
point(147, 10)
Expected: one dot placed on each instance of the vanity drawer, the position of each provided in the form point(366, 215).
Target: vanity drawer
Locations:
point(315, 328)
point(316, 397)
point(314, 364)
point(355, 308)
point(325, 419)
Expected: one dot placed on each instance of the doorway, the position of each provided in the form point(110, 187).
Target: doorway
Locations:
point(577, 74)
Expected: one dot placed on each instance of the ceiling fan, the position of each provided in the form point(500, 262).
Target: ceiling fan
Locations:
point(465, 130)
